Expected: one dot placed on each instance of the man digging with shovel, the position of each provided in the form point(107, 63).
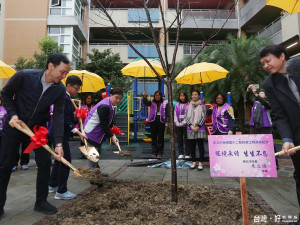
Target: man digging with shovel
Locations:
point(100, 119)
point(28, 96)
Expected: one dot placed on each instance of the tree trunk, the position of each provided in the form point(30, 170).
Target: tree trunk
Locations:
point(172, 143)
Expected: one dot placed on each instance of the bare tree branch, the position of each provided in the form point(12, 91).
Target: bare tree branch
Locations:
point(127, 41)
point(204, 43)
point(154, 37)
point(165, 35)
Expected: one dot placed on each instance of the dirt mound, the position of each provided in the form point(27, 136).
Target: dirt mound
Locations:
point(125, 202)
point(93, 175)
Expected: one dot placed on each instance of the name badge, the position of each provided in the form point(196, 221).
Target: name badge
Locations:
point(181, 116)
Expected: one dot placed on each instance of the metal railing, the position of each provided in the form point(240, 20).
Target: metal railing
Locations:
point(270, 29)
point(203, 14)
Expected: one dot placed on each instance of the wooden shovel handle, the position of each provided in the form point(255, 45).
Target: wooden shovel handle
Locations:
point(118, 145)
point(297, 148)
point(80, 120)
point(26, 130)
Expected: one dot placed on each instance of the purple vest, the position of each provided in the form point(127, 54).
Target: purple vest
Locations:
point(220, 119)
point(2, 118)
point(97, 133)
point(181, 112)
point(153, 109)
point(265, 116)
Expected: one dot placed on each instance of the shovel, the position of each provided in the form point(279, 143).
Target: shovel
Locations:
point(90, 152)
point(25, 129)
point(122, 153)
point(297, 148)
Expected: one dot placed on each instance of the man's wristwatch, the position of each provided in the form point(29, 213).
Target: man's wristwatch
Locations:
point(59, 145)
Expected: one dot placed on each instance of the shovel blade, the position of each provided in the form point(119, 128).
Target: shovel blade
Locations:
point(91, 153)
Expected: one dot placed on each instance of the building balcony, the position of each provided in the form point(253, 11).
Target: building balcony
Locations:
point(250, 10)
point(273, 31)
point(127, 54)
point(208, 19)
point(136, 18)
point(73, 21)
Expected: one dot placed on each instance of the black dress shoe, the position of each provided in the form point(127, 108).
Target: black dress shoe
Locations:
point(45, 207)
point(294, 223)
point(99, 184)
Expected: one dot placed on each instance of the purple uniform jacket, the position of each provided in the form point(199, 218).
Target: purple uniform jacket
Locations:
point(92, 125)
point(153, 109)
point(220, 118)
point(265, 116)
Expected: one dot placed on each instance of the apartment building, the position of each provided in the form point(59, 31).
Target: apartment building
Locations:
point(24, 23)
point(79, 26)
point(201, 18)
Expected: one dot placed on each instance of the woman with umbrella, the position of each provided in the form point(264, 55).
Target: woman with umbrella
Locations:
point(195, 119)
point(158, 121)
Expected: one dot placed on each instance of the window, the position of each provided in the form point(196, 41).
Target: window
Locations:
point(55, 2)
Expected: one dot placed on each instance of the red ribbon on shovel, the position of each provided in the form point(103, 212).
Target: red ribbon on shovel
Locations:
point(39, 139)
point(116, 130)
point(81, 113)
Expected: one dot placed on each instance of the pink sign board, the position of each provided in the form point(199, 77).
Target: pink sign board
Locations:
point(242, 155)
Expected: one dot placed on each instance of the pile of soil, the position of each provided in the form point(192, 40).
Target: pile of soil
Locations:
point(125, 153)
point(128, 202)
point(93, 175)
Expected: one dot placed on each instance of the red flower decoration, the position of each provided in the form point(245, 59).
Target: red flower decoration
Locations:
point(81, 113)
point(39, 139)
point(116, 130)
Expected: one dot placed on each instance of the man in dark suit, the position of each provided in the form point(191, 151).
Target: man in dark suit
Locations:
point(282, 91)
point(60, 172)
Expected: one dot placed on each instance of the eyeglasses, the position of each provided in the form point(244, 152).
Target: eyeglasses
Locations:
point(77, 89)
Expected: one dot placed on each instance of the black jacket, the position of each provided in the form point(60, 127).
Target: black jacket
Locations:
point(22, 96)
point(284, 106)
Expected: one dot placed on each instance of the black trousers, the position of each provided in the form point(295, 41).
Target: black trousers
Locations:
point(296, 162)
point(263, 130)
point(199, 142)
point(60, 172)
point(157, 129)
point(181, 136)
point(23, 157)
point(10, 143)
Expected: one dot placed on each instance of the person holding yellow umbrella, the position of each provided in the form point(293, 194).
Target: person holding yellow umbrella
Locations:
point(91, 82)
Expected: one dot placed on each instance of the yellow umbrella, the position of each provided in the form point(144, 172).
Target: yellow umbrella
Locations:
point(5, 70)
point(291, 6)
point(139, 68)
point(91, 82)
point(201, 73)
